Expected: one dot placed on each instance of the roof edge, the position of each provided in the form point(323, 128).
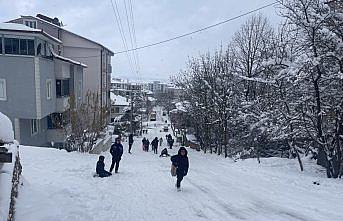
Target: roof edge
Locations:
point(42, 20)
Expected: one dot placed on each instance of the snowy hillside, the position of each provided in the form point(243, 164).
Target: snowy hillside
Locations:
point(59, 186)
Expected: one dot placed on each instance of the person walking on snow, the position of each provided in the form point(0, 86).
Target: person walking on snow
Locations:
point(161, 141)
point(143, 143)
point(116, 152)
point(171, 143)
point(180, 161)
point(154, 145)
point(147, 143)
point(100, 168)
point(130, 142)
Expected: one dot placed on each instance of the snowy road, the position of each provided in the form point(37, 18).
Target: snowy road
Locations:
point(59, 186)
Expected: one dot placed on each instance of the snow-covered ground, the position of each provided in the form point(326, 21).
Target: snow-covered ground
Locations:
point(60, 186)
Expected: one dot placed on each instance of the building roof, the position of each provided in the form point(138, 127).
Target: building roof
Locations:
point(14, 27)
point(119, 100)
point(17, 27)
point(42, 20)
point(117, 80)
point(66, 59)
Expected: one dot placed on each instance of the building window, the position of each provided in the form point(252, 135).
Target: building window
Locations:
point(34, 126)
point(3, 95)
point(0, 45)
point(62, 88)
point(11, 46)
point(19, 46)
point(48, 89)
point(31, 24)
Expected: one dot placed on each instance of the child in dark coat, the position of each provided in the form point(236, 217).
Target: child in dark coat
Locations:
point(154, 145)
point(100, 168)
point(180, 161)
point(116, 152)
point(164, 153)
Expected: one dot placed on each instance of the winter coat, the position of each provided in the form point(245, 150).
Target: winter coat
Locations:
point(180, 162)
point(131, 139)
point(171, 142)
point(154, 143)
point(100, 167)
point(116, 151)
point(164, 152)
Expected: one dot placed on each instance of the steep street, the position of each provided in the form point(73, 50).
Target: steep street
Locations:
point(60, 186)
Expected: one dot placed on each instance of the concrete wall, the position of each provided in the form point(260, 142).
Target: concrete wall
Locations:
point(50, 29)
point(19, 72)
point(78, 84)
point(96, 59)
point(39, 139)
point(91, 74)
point(55, 135)
point(47, 73)
point(62, 69)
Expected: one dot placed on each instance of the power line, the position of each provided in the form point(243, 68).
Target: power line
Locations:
point(192, 32)
point(129, 25)
point(134, 36)
point(121, 31)
point(199, 30)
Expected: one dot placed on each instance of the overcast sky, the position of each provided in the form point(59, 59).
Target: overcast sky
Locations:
point(155, 20)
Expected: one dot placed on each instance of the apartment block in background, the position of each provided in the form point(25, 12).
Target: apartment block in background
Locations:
point(97, 76)
point(36, 84)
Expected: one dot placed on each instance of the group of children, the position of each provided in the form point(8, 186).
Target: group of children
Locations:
point(116, 152)
point(179, 161)
point(154, 144)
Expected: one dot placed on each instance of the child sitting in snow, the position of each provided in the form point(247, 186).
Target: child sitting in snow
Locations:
point(100, 168)
point(164, 153)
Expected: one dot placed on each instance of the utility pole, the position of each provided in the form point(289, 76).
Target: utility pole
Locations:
point(141, 123)
point(131, 123)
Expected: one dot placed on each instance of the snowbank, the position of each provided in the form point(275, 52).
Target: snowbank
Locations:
point(6, 129)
